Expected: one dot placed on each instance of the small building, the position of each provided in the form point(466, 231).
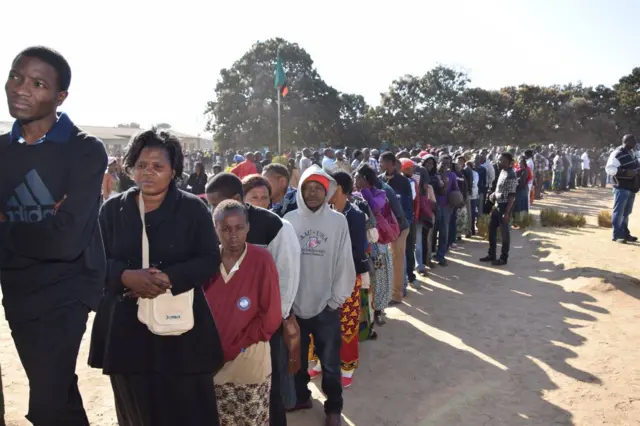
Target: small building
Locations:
point(116, 139)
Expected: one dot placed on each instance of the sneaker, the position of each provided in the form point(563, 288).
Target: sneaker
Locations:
point(416, 284)
point(442, 262)
point(620, 241)
point(488, 258)
point(313, 373)
point(631, 239)
point(346, 382)
point(499, 262)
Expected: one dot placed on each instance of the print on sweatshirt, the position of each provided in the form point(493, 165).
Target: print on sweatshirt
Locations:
point(31, 202)
point(312, 242)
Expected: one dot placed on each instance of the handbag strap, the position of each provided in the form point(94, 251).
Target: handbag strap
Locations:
point(145, 239)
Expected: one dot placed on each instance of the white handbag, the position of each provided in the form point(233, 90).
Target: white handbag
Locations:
point(166, 315)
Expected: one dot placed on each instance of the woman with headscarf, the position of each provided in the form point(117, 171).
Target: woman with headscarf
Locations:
point(382, 273)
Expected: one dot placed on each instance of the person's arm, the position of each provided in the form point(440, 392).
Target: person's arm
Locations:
point(204, 259)
point(269, 315)
point(285, 249)
point(396, 207)
point(358, 236)
point(407, 200)
point(344, 277)
point(65, 235)
point(115, 267)
point(107, 186)
point(613, 168)
point(511, 186)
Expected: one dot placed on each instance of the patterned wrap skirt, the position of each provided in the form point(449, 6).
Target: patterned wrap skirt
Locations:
point(381, 276)
point(244, 405)
point(349, 330)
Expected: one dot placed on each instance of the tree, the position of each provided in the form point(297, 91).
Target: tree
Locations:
point(166, 126)
point(129, 126)
point(244, 113)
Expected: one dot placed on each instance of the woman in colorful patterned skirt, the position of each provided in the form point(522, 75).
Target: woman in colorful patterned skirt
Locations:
point(245, 301)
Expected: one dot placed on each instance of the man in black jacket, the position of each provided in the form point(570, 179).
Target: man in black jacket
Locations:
point(51, 255)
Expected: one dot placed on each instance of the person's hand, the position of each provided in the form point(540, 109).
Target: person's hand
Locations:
point(492, 197)
point(162, 279)
point(291, 337)
point(506, 217)
point(143, 283)
point(3, 218)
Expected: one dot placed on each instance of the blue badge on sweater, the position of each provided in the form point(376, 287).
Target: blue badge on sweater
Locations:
point(244, 303)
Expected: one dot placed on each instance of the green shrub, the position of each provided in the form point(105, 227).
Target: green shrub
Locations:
point(523, 220)
point(604, 219)
point(554, 218)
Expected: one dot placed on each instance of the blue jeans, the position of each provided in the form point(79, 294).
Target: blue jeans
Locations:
point(453, 227)
point(622, 207)
point(325, 328)
point(418, 249)
point(443, 223)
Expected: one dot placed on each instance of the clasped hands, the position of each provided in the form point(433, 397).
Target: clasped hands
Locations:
point(145, 283)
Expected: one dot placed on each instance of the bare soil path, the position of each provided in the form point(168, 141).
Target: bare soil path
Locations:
point(552, 339)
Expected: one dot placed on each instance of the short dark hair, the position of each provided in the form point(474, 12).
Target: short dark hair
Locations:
point(366, 171)
point(528, 153)
point(388, 156)
point(344, 181)
point(508, 156)
point(53, 58)
point(227, 184)
point(356, 153)
point(278, 169)
point(155, 138)
point(229, 206)
point(254, 181)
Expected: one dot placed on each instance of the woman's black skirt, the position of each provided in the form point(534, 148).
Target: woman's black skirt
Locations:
point(161, 399)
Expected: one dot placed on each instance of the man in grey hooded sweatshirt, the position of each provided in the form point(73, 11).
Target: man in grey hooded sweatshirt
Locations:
point(327, 279)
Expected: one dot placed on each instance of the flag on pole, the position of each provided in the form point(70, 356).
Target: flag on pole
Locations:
point(280, 82)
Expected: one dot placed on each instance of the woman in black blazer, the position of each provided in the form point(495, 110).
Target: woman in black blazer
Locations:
point(157, 380)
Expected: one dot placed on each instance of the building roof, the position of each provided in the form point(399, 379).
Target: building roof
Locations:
point(107, 133)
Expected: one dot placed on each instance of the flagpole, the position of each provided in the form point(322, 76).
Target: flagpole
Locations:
point(279, 133)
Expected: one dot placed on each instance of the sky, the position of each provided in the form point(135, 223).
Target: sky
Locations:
point(159, 61)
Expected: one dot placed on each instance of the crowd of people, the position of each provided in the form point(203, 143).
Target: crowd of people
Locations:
point(221, 294)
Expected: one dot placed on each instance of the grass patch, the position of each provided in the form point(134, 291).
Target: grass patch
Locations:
point(523, 220)
point(554, 218)
point(604, 219)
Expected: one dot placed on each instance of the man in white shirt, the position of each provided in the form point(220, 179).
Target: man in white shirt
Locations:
point(586, 169)
point(329, 161)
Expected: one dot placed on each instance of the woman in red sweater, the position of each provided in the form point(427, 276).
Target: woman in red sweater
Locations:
point(245, 301)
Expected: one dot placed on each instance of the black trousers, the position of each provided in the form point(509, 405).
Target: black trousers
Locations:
point(164, 399)
point(325, 328)
point(410, 253)
point(48, 348)
point(279, 360)
point(495, 222)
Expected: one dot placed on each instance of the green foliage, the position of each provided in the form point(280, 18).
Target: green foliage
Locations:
point(439, 107)
point(523, 220)
point(604, 219)
point(554, 218)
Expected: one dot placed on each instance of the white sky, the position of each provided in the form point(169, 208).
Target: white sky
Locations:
point(158, 61)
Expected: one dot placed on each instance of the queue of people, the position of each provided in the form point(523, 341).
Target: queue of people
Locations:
point(203, 314)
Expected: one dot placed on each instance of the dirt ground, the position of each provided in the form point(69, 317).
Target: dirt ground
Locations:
point(552, 339)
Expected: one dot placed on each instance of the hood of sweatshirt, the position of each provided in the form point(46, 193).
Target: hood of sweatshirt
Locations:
point(315, 170)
